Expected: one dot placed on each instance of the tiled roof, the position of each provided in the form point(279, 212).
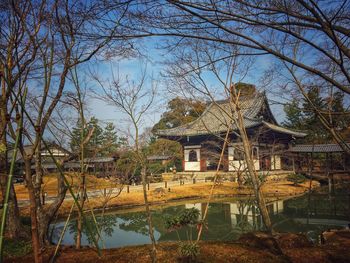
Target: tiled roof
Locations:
point(317, 148)
point(158, 157)
point(218, 116)
point(280, 129)
point(28, 149)
point(99, 160)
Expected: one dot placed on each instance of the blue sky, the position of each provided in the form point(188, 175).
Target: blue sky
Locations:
point(132, 68)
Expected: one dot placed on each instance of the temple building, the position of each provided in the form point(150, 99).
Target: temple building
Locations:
point(202, 140)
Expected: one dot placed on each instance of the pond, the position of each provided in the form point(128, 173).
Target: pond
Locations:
point(227, 219)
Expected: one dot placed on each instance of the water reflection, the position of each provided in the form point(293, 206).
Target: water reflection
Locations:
point(226, 220)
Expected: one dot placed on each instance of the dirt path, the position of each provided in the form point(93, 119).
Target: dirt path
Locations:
point(280, 189)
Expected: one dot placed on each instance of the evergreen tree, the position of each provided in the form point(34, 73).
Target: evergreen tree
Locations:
point(77, 137)
point(110, 139)
point(317, 133)
point(93, 146)
point(180, 111)
point(294, 115)
point(302, 115)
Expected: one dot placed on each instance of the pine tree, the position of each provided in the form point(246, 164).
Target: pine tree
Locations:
point(180, 111)
point(110, 139)
point(77, 139)
point(294, 115)
point(316, 131)
point(302, 115)
point(93, 146)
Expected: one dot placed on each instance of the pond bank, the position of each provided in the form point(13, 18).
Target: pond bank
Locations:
point(271, 189)
point(257, 247)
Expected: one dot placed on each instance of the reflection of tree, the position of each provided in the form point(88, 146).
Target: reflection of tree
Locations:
point(106, 225)
point(136, 222)
point(320, 205)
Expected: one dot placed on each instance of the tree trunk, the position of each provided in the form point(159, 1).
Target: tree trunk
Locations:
point(149, 216)
point(33, 212)
point(82, 194)
point(260, 200)
point(47, 213)
point(14, 228)
point(253, 174)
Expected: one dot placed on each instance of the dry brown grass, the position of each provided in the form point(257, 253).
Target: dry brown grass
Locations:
point(50, 184)
point(191, 191)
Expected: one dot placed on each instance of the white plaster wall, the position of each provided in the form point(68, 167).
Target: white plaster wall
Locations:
point(278, 207)
point(192, 166)
point(233, 213)
point(257, 165)
point(187, 152)
point(236, 165)
point(241, 165)
point(275, 162)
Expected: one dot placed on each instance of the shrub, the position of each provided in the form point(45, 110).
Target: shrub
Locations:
point(296, 179)
point(188, 251)
point(189, 217)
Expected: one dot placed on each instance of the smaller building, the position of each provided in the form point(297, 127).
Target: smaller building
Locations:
point(320, 158)
point(57, 151)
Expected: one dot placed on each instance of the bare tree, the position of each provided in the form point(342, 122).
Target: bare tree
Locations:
point(190, 74)
point(267, 28)
point(134, 100)
point(42, 42)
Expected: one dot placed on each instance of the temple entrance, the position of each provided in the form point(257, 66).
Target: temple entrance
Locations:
point(211, 152)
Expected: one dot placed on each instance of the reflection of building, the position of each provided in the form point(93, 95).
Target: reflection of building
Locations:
point(242, 212)
point(199, 206)
point(202, 139)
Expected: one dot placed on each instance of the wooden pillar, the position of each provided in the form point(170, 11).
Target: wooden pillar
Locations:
point(331, 159)
point(329, 166)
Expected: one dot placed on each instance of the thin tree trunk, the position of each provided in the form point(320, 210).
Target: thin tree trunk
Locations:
point(252, 172)
point(14, 228)
point(47, 213)
point(149, 216)
point(33, 212)
point(79, 219)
